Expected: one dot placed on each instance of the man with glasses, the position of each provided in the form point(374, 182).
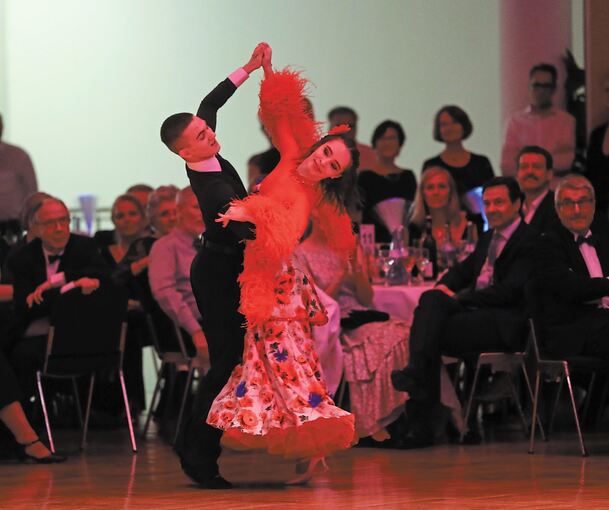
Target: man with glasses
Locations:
point(57, 261)
point(573, 265)
point(540, 123)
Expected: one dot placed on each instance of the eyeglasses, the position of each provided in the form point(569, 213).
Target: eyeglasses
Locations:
point(581, 203)
point(548, 86)
point(62, 222)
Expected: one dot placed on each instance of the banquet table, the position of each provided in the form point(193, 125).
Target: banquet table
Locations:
point(399, 301)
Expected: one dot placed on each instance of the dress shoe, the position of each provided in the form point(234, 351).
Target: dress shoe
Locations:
point(24, 456)
point(204, 480)
point(316, 465)
point(411, 442)
point(405, 380)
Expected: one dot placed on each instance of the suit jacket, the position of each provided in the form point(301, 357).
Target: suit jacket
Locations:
point(545, 217)
point(215, 190)
point(505, 296)
point(568, 293)
point(27, 266)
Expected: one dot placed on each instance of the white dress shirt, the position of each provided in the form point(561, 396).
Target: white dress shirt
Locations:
point(593, 264)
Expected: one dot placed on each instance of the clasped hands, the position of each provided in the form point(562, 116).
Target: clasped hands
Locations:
point(261, 57)
point(87, 286)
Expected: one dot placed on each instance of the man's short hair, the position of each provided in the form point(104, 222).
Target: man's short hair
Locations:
point(544, 68)
point(342, 110)
point(36, 209)
point(184, 194)
point(140, 187)
point(573, 181)
point(536, 149)
point(173, 127)
point(509, 182)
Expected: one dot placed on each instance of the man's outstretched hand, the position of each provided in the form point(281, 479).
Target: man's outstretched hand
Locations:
point(255, 60)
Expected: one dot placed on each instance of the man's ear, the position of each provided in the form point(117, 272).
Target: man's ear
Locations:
point(184, 153)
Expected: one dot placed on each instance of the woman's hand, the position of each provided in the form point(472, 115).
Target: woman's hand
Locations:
point(266, 60)
point(36, 296)
point(236, 212)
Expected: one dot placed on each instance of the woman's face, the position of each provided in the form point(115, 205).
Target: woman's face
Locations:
point(388, 145)
point(450, 129)
point(165, 218)
point(127, 219)
point(436, 191)
point(329, 160)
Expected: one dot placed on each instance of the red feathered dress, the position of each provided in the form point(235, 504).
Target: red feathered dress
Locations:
point(277, 399)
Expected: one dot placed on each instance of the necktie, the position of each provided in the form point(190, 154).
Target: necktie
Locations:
point(492, 248)
point(54, 258)
point(588, 240)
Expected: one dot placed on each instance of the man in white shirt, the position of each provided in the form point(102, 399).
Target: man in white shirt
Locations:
point(541, 124)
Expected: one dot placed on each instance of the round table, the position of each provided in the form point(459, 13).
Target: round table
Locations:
point(399, 301)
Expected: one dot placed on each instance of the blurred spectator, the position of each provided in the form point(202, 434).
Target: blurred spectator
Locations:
point(469, 171)
point(17, 181)
point(141, 192)
point(345, 115)
point(541, 124)
point(598, 160)
point(386, 181)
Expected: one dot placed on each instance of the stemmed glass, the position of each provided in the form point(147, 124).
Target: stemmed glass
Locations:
point(410, 260)
point(422, 262)
point(384, 261)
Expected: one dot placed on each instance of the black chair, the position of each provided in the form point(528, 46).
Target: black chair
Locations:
point(554, 369)
point(87, 335)
point(177, 351)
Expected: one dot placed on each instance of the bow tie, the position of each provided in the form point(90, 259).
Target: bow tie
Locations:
point(54, 258)
point(591, 240)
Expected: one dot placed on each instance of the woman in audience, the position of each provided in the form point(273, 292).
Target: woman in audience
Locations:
point(437, 197)
point(372, 347)
point(451, 126)
point(387, 180)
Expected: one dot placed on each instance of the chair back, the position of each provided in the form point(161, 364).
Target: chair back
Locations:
point(167, 336)
point(87, 331)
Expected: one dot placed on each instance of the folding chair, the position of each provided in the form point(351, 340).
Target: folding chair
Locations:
point(174, 350)
point(87, 334)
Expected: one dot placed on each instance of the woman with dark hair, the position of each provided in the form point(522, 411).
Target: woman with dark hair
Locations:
point(386, 180)
point(451, 126)
point(277, 399)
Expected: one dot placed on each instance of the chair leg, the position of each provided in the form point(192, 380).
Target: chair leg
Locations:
point(555, 406)
point(127, 410)
point(530, 391)
point(183, 404)
point(468, 409)
point(516, 398)
point(534, 417)
point(588, 397)
point(44, 410)
point(77, 401)
point(153, 401)
point(579, 430)
point(85, 428)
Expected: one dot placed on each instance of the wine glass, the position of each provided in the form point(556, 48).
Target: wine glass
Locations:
point(384, 261)
point(410, 259)
point(422, 263)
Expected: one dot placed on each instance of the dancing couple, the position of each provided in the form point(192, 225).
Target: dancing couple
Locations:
point(265, 391)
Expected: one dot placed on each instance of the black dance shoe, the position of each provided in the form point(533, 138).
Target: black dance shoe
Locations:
point(51, 458)
point(204, 480)
point(405, 380)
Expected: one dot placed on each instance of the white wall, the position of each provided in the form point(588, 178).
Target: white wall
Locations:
point(88, 83)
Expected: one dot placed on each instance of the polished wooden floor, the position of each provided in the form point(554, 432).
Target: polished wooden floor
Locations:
point(498, 474)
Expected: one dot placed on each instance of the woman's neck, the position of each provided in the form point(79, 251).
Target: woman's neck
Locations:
point(454, 148)
point(439, 217)
point(386, 166)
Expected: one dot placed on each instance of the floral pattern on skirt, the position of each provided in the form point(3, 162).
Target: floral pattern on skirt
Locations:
point(276, 399)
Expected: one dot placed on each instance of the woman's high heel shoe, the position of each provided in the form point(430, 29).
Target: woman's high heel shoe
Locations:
point(311, 471)
point(24, 456)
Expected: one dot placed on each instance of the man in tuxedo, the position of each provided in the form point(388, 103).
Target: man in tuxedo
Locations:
point(573, 265)
point(216, 267)
point(534, 174)
point(477, 306)
point(56, 261)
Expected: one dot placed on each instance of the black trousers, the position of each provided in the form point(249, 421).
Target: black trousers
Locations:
point(442, 325)
point(213, 277)
point(9, 388)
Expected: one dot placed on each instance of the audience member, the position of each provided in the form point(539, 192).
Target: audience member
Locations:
point(141, 192)
point(534, 175)
point(437, 198)
point(541, 124)
point(573, 265)
point(169, 266)
point(385, 180)
point(55, 260)
point(598, 160)
point(345, 115)
point(18, 181)
point(469, 170)
point(478, 305)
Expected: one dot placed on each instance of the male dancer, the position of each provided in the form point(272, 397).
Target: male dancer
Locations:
point(215, 269)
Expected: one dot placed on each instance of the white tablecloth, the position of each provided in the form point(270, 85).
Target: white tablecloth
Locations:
point(399, 301)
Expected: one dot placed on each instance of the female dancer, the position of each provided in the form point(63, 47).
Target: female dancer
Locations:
point(276, 399)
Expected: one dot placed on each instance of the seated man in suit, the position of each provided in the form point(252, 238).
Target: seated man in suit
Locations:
point(477, 306)
point(573, 265)
point(534, 175)
point(55, 261)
